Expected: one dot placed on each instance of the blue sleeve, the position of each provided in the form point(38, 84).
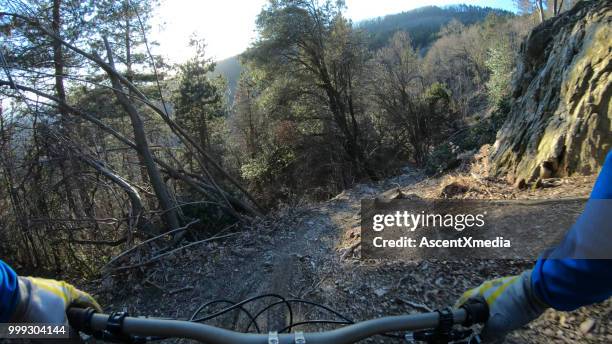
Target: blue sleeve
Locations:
point(569, 283)
point(9, 291)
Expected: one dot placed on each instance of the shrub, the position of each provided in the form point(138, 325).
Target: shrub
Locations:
point(441, 158)
point(444, 156)
point(500, 62)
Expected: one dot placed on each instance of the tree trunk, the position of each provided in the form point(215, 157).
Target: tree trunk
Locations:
point(129, 75)
point(74, 200)
point(541, 10)
point(128, 44)
point(142, 145)
point(363, 161)
point(58, 62)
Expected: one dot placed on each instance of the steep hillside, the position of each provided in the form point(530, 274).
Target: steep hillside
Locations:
point(423, 23)
point(560, 120)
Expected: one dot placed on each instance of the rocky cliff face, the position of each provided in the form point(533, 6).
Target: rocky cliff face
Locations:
point(560, 122)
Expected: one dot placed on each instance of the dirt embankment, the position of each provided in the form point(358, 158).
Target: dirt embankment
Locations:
point(312, 252)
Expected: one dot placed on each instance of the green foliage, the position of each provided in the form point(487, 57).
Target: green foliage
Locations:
point(267, 165)
point(313, 64)
point(195, 89)
point(440, 158)
point(484, 131)
point(444, 156)
point(500, 62)
point(198, 99)
point(437, 93)
point(254, 169)
point(126, 24)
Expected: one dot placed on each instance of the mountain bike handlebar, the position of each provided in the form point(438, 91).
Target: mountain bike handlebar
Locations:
point(118, 325)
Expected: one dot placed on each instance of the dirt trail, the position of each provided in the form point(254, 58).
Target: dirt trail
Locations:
point(309, 252)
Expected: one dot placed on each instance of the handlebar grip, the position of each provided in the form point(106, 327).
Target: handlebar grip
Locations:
point(477, 311)
point(80, 318)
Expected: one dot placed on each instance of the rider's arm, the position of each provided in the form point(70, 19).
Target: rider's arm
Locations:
point(565, 283)
point(39, 300)
point(9, 291)
point(558, 279)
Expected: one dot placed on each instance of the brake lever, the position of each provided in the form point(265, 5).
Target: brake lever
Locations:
point(477, 312)
point(80, 319)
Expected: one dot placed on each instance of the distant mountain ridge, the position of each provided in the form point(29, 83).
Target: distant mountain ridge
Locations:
point(230, 68)
point(423, 25)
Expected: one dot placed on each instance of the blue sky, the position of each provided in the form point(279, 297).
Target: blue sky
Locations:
point(228, 26)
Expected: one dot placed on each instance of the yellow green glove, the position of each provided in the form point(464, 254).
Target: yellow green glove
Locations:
point(46, 301)
point(512, 304)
